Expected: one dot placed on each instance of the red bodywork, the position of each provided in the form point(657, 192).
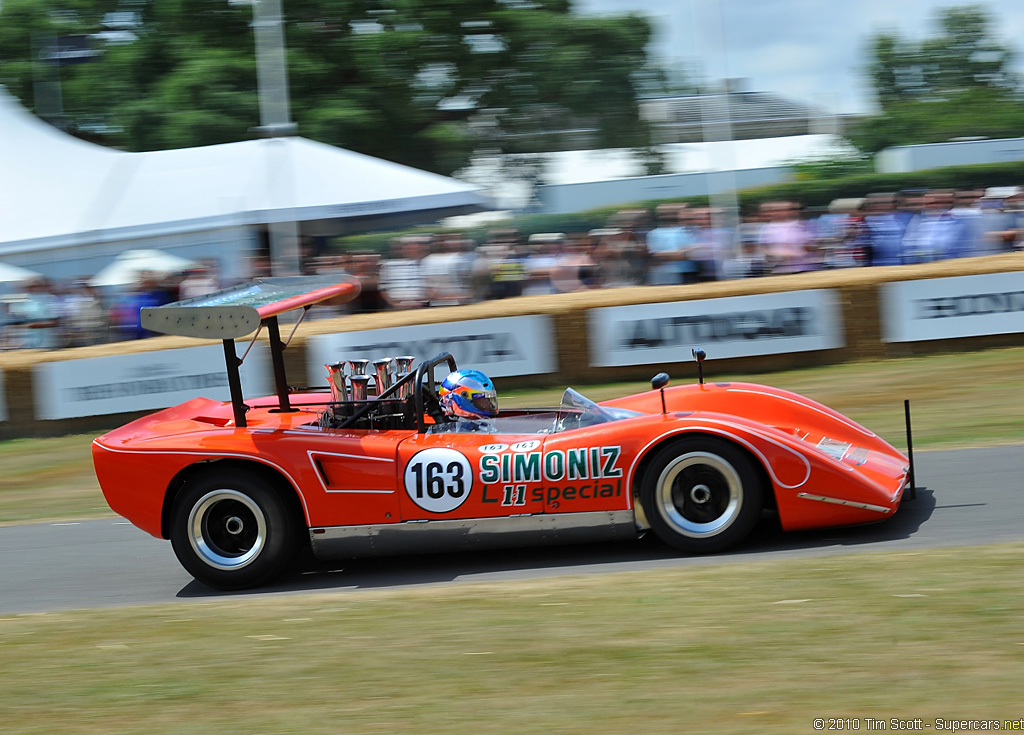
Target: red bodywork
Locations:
point(822, 468)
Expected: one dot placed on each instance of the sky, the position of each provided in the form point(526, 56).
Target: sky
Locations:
point(810, 51)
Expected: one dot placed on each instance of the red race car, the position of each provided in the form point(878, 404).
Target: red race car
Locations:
point(374, 464)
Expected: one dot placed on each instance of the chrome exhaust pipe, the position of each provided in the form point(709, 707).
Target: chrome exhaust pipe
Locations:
point(357, 366)
point(405, 392)
point(359, 383)
point(404, 364)
point(336, 379)
point(382, 368)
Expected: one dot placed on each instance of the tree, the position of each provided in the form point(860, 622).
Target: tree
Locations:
point(420, 83)
point(963, 57)
point(955, 84)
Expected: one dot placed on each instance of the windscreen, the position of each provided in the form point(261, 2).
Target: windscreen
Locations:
point(580, 411)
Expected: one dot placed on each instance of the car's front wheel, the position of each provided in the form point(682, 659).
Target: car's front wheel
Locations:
point(701, 494)
point(232, 529)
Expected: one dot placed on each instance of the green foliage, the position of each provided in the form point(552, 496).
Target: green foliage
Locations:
point(832, 167)
point(954, 84)
point(819, 193)
point(977, 112)
point(425, 84)
point(207, 99)
point(963, 56)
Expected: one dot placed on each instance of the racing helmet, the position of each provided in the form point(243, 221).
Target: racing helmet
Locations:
point(468, 394)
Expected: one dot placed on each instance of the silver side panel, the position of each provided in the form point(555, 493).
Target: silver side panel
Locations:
point(840, 501)
point(386, 539)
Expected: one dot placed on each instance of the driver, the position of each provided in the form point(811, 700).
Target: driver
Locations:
point(468, 399)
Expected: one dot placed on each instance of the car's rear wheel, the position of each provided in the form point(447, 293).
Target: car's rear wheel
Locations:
point(233, 529)
point(701, 494)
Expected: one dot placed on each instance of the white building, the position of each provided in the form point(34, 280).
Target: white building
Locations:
point(904, 158)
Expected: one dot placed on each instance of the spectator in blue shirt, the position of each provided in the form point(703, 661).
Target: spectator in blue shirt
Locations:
point(935, 233)
point(669, 245)
point(148, 292)
point(885, 229)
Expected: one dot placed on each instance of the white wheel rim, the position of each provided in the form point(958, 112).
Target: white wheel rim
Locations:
point(699, 494)
point(227, 529)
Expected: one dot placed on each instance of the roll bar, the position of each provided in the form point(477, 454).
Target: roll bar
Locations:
point(424, 374)
point(426, 370)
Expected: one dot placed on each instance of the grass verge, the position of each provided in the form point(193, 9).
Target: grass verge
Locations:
point(761, 647)
point(957, 400)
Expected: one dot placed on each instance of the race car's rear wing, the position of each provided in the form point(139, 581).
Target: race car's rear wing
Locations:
point(241, 310)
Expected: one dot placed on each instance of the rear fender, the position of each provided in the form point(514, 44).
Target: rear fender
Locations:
point(279, 480)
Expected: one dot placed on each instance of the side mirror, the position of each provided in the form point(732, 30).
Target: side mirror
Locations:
point(699, 356)
point(658, 382)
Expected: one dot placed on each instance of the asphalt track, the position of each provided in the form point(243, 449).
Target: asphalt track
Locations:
point(965, 497)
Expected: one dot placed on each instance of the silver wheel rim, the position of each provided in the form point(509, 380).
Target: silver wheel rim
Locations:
point(227, 529)
point(699, 494)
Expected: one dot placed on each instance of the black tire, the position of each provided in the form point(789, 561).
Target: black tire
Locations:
point(231, 529)
point(701, 494)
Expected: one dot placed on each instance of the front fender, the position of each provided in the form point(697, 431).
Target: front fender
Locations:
point(812, 487)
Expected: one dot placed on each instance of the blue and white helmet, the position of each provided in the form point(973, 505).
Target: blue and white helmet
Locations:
point(468, 394)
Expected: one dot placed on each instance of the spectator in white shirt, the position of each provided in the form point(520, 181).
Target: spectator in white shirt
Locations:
point(403, 282)
point(447, 270)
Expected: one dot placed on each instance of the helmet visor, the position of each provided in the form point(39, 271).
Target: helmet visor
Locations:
point(485, 403)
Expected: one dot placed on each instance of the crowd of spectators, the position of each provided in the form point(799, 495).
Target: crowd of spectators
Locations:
point(674, 244)
point(44, 314)
point(681, 244)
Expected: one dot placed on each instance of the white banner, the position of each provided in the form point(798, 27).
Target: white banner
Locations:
point(520, 345)
point(143, 381)
point(948, 308)
point(740, 326)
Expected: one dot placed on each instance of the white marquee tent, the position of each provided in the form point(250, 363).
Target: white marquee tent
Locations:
point(14, 274)
point(129, 266)
point(68, 207)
